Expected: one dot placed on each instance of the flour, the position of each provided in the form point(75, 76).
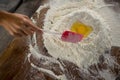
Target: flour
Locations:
point(60, 18)
point(61, 15)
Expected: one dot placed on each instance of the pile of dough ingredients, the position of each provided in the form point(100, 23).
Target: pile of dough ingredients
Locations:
point(60, 17)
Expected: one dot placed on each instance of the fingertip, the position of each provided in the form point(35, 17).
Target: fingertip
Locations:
point(11, 33)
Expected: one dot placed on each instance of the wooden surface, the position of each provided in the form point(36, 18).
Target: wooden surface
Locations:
point(14, 64)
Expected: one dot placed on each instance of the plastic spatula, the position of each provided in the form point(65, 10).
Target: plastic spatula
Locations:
point(66, 36)
point(69, 36)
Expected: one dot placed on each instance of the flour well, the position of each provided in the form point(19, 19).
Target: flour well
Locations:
point(60, 18)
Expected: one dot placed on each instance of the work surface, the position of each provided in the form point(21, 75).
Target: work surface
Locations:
point(14, 64)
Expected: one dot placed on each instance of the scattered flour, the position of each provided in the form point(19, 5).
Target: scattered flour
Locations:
point(60, 18)
point(61, 15)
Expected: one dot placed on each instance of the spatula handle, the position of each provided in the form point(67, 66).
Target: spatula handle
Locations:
point(50, 32)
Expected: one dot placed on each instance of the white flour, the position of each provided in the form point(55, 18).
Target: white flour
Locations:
point(60, 18)
point(62, 14)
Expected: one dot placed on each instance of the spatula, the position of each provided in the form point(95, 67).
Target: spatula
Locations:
point(66, 36)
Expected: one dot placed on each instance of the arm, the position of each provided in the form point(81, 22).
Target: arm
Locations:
point(17, 25)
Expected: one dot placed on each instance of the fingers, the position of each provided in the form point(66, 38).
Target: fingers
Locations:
point(18, 31)
point(22, 30)
point(12, 31)
point(32, 25)
point(21, 15)
point(19, 25)
point(27, 21)
point(9, 30)
point(27, 30)
point(7, 27)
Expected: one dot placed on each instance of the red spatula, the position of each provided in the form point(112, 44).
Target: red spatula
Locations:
point(73, 37)
point(67, 36)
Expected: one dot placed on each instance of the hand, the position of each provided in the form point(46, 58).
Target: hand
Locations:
point(17, 25)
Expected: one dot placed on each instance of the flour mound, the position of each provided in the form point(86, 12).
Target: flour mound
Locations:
point(88, 50)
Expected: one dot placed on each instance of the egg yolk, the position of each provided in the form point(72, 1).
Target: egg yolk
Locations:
point(81, 28)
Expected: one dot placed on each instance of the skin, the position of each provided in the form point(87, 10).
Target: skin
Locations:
point(17, 25)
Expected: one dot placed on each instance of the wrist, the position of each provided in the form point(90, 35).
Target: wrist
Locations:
point(3, 15)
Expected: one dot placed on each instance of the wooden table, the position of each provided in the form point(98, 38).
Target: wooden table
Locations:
point(14, 64)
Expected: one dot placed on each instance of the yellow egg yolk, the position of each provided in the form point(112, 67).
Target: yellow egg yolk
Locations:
point(81, 28)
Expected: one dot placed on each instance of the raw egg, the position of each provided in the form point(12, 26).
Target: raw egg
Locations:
point(81, 28)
